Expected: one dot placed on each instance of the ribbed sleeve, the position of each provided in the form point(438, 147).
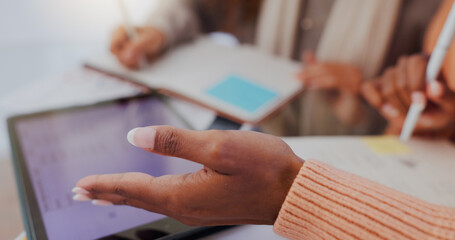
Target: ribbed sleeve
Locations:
point(327, 203)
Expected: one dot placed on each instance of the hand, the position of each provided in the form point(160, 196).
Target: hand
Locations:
point(322, 75)
point(392, 95)
point(343, 82)
point(245, 179)
point(147, 44)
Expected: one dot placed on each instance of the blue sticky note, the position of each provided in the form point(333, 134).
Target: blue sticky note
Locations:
point(242, 93)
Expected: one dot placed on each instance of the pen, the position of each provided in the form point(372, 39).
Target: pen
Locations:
point(432, 71)
point(130, 30)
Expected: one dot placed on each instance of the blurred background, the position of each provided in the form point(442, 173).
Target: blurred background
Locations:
point(45, 38)
point(48, 37)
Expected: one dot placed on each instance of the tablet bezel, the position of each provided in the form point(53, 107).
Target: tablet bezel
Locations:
point(33, 222)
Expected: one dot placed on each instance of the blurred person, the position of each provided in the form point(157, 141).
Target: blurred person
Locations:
point(352, 40)
point(243, 183)
point(255, 178)
point(392, 92)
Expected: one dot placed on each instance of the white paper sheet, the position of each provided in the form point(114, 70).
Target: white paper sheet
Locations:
point(76, 87)
point(193, 68)
point(422, 168)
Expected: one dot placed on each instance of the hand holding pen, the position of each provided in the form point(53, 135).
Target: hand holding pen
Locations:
point(432, 71)
point(394, 92)
point(135, 46)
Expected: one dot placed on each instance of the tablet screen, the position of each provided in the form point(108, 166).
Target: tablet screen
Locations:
point(62, 147)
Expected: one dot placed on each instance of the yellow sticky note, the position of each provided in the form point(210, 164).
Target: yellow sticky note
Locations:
point(383, 145)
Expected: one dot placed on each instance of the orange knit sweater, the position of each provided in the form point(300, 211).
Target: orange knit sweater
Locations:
point(327, 203)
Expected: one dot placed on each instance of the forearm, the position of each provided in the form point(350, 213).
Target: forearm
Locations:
point(177, 19)
point(327, 203)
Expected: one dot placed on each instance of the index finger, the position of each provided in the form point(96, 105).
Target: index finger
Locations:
point(135, 189)
point(130, 185)
point(389, 90)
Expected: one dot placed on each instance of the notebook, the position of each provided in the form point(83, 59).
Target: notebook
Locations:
point(241, 83)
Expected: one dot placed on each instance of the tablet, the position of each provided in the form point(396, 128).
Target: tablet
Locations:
point(52, 150)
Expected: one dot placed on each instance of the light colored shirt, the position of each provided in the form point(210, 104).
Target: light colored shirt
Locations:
point(327, 203)
point(182, 20)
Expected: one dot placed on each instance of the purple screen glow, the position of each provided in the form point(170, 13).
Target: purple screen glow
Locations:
point(61, 148)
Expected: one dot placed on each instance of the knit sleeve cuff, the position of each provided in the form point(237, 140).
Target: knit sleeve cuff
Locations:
point(327, 203)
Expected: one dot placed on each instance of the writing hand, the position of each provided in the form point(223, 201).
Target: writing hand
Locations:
point(148, 43)
point(392, 93)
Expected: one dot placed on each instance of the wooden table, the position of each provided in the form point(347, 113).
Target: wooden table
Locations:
point(10, 215)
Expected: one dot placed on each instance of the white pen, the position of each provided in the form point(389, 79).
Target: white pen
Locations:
point(130, 30)
point(432, 71)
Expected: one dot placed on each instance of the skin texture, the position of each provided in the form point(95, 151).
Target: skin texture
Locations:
point(147, 44)
point(245, 179)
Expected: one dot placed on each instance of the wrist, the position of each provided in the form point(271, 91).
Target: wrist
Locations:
point(287, 181)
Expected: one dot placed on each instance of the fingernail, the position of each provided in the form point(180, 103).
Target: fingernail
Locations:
point(79, 190)
point(130, 136)
point(390, 110)
point(101, 203)
point(434, 89)
point(418, 97)
point(142, 137)
point(81, 198)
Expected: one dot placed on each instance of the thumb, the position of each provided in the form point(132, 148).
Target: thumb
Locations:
point(197, 146)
